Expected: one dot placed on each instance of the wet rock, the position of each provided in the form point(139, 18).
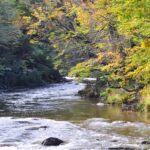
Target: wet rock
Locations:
point(35, 119)
point(129, 107)
point(44, 127)
point(100, 104)
point(114, 141)
point(121, 148)
point(146, 142)
point(33, 128)
point(24, 122)
point(67, 79)
point(90, 91)
point(5, 145)
point(37, 128)
point(52, 142)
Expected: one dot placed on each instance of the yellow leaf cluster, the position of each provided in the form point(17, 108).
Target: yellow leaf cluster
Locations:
point(83, 17)
point(57, 13)
point(146, 43)
point(113, 60)
point(26, 19)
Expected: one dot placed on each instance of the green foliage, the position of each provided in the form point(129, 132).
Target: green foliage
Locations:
point(109, 40)
point(138, 64)
point(22, 63)
point(80, 71)
point(133, 17)
point(119, 33)
point(90, 68)
point(145, 98)
point(116, 96)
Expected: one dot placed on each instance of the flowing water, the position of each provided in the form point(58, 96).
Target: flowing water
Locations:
point(29, 116)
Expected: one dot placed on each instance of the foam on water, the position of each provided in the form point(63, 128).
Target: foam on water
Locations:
point(47, 98)
point(92, 134)
point(28, 134)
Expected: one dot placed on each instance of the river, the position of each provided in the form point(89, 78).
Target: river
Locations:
point(29, 116)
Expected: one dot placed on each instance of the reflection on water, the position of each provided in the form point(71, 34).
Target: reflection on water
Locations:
point(82, 110)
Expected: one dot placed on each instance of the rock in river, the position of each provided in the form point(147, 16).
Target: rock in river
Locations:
point(121, 148)
point(52, 142)
point(146, 142)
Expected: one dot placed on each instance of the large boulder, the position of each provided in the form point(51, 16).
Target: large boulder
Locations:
point(145, 142)
point(129, 107)
point(52, 142)
point(90, 91)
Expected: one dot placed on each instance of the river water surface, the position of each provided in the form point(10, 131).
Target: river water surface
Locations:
point(29, 116)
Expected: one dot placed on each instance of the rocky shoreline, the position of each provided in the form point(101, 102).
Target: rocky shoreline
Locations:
point(93, 91)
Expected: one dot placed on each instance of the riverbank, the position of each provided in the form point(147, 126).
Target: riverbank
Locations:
point(30, 116)
point(128, 101)
point(61, 102)
point(34, 86)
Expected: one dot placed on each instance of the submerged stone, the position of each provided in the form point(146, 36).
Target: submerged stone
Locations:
point(129, 107)
point(100, 104)
point(122, 148)
point(52, 142)
point(90, 91)
point(146, 142)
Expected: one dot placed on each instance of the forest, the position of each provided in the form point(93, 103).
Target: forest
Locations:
point(43, 40)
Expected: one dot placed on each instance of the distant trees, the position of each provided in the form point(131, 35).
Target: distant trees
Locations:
point(119, 33)
point(22, 62)
point(100, 38)
point(113, 36)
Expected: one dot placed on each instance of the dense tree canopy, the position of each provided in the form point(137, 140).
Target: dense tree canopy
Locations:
point(106, 39)
point(21, 61)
